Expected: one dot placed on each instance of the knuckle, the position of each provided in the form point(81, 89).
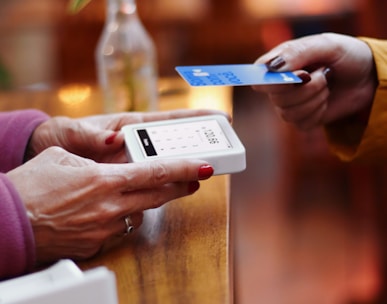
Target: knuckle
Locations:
point(98, 178)
point(159, 173)
point(107, 212)
point(73, 126)
point(55, 150)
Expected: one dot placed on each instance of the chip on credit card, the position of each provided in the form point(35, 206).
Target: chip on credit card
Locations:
point(234, 75)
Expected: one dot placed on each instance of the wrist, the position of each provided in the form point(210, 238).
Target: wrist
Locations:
point(35, 143)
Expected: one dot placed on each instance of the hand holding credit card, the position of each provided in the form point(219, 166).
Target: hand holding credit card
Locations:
point(234, 75)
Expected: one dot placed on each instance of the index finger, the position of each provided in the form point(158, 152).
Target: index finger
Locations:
point(145, 175)
point(320, 49)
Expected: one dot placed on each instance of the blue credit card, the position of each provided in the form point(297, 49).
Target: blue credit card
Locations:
point(234, 75)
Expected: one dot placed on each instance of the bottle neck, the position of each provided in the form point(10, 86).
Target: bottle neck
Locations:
point(121, 7)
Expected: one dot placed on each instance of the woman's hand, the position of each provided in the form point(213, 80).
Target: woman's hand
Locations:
point(339, 79)
point(76, 205)
point(96, 137)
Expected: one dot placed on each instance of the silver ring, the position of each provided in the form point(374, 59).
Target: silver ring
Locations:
point(129, 225)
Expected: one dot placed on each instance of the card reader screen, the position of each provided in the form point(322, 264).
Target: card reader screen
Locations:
point(183, 138)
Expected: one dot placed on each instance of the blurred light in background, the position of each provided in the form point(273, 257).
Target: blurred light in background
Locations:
point(187, 10)
point(74, 94)
point(262, 9)
point(218, 98)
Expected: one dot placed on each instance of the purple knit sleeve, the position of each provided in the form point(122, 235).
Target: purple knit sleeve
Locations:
point(17, 247)
point(16, 127)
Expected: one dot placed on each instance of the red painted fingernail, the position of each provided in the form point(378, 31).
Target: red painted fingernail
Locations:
point(110, 139)
point(193, 186)
point(205, 172)
point(276, 63)
point(305, 77)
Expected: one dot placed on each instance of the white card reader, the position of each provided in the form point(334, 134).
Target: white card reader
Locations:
point(210, 138)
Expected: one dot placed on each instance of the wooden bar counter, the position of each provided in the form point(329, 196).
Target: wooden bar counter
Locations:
point(181, 253)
